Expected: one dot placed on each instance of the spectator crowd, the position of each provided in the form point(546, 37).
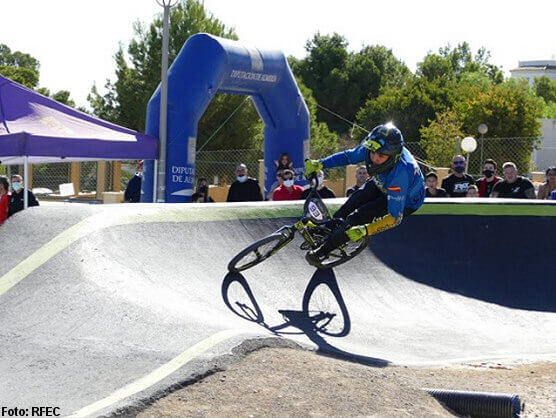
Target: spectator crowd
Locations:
point(247, 189)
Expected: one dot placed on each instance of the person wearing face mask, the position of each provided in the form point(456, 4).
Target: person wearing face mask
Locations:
point(287, 190)
point(457, 183)
point(244, 188)
point(16, 198)
point(4, 198)
point(132, 192)
point(324, 192)
point(486, 184)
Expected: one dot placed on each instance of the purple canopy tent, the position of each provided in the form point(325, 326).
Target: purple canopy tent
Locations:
point(36, 129)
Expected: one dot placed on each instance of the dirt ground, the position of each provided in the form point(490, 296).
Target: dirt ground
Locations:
point(274, 382)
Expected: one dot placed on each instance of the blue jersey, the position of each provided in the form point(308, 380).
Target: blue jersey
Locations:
point(403, 184)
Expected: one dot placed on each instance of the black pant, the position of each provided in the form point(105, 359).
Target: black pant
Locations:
point(365, 205)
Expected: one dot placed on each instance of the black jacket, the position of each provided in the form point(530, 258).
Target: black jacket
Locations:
point(16, 202)
point(133, 190)
point(249, 191)
point(324, 193)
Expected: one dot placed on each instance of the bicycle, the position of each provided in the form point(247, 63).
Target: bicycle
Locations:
point(315, 227)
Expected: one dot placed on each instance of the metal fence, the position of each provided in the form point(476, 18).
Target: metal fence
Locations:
point(218, 167)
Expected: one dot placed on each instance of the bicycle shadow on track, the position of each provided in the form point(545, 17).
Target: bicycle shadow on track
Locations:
point(323, 313)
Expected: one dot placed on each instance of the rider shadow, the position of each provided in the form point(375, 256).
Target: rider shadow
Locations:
point(323, 313)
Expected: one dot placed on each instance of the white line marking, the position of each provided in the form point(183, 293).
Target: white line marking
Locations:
point(158, 374)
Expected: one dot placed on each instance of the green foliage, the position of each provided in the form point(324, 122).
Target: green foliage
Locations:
point(323, 142)
point(409, 107)
point(438, 139)
point(548, 110)
point(545, 88)
point(18, 59)
point(24, 76)
point(342, 81)
point(126, 99)
point(450, 64)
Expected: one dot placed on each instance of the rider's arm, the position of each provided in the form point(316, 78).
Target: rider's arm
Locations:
point(340, 159)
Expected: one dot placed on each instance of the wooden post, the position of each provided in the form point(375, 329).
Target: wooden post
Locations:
point(117, 176)
point(75, 177)
point(350, 176)
point(101, 178)
point(261, 177)
point(30, 174)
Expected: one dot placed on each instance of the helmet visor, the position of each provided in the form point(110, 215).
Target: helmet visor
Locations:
point(373, 144)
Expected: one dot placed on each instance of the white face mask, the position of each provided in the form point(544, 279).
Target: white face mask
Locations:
point(241, 179)
point(288, 183)
point(16, 186)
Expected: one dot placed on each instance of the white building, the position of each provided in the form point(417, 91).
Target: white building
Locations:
point(546, 156)
point(532, 69)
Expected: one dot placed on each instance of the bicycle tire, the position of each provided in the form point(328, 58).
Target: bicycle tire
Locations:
point(337, 323)
point(280, 239)
point(328, 263)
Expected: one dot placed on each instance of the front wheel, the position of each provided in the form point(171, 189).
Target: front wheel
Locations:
point(258, 251)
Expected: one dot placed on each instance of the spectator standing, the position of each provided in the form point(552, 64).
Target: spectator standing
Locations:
point(486, 184)
point(203, 191)
point(473, 191)
point(4, 198)
point(431, 181)
point(197, 198)
point(17, 198)
point(546, 189)
point(361, 177)
point(132, 192)
point(244, 188)
point(287, 190)
point(324, 192)
point(457, 183)
point(513, 186)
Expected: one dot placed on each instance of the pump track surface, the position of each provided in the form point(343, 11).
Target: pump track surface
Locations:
point(102, 307)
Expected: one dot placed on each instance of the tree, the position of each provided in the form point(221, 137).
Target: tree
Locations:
point(17, 59)
point(323, 142)
point(438, 139)
point(24, 76)
point(450, 64)
point(138, 75)
point(545, 88)
point(342, 81)
point(409, 107)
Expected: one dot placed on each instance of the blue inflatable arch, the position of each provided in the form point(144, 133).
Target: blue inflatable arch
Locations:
point(205, 66)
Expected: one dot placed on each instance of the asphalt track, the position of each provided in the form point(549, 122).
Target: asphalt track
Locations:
point(103, 307)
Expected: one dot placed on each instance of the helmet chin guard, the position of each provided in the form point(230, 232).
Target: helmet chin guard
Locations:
point(386, 140)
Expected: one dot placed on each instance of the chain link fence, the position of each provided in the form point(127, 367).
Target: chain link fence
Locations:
point(218, 167)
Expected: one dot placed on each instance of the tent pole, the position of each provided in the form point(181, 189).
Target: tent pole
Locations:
point(155, 177)
point(25, 182)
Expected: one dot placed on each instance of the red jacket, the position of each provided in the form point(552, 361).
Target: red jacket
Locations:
point(4, 203)
point(482, 183)
point(282, 193)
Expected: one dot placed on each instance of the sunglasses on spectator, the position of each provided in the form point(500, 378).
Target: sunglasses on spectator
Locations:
point(459, 162)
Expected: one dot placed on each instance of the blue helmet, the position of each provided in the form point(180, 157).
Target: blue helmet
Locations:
point(387, 140)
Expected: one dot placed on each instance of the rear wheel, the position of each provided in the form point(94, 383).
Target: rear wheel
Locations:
point(258, 251)
point(325, 307)
point(343, 253)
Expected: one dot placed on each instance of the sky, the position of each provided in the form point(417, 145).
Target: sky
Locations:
point(75, 41)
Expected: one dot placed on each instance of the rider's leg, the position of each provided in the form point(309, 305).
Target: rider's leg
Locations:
point(369, 204)
point(367, 192)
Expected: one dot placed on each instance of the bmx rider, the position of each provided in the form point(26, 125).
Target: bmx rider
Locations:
point(395, 188)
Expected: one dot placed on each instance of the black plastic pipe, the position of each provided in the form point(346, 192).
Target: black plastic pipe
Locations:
point(478, 404)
